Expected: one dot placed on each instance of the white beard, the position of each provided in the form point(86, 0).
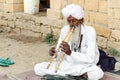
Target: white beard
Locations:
point(75, 39)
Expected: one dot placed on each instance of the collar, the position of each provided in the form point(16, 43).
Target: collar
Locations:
point(82, 29)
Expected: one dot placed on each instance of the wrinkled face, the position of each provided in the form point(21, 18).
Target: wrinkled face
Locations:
point(73, 21)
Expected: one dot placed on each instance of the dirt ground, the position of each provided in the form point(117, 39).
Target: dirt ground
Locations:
point(24, 51)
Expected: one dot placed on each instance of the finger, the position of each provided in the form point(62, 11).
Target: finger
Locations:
point(63, 50)
point(61, 46)
point(64, 43)
point(51, 51)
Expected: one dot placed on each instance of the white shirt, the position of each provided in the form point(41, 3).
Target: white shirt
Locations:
point(89, 51)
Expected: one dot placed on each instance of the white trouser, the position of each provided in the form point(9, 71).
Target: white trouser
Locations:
point(93, 72)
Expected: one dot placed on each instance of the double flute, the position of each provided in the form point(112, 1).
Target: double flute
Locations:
point(66, 39)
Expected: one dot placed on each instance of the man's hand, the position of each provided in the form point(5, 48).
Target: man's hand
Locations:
point(52, 51)
point(65, 48)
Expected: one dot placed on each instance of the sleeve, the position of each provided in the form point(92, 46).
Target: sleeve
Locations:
point(62, 34)
point(87, 56)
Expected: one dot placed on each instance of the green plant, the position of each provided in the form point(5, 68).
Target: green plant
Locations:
point(49, 38)
point(113, 52)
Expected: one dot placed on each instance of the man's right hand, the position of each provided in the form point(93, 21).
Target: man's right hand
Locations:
point(52, 51)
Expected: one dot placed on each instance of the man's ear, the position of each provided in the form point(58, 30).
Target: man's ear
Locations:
point(81, 21)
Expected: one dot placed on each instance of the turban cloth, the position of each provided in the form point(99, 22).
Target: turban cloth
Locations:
point(73, 10)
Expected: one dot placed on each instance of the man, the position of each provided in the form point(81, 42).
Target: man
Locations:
point(81, 52)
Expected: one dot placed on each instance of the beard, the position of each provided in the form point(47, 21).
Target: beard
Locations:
point(75, 39)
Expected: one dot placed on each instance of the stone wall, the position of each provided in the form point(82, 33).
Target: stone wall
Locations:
point(29, 25)
point(96, 15)
point(114, 23)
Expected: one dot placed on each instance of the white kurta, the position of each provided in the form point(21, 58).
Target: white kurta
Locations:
point(78, 62)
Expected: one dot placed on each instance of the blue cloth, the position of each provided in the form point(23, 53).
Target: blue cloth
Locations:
point(106, 62)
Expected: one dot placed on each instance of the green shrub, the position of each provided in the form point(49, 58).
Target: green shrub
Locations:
point(113, 52)
point(50, 39)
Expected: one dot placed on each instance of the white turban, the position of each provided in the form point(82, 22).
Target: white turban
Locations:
point(74, 10)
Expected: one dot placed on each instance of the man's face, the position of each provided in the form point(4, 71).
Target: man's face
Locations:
point(73, 21)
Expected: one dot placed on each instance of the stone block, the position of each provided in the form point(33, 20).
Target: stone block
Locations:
point(117, 13)
point(91, 5)
point(74, 1)
point(44, 20)
point(114, 3)
point(102, 41)
point(100, 18)
point(7, 29)
point(19, 23)
point(54, 13)
point(14, 1)
point(102, 31)
point(114, 13)
point(79, 2)
point(18, 1)
point(37, 20)
point(11, 24)
point(64, 3)
point(30, 33)
point(26, 16)
point(114, 24)
point(29, 25)
point(87, 16)
point(4, 23)
point(9, 1)
point(18, 7)
point(17, 31)
point(36, 29)
point(56, 4)
point(45, 29)
point(1, 6)
point(58, 24)
point(103, 6)
point(0, 22)
point(111, 13)
point(2, 1)
point(13, 7)
point(9, 16)
point(56, 32)
point(115, 34)
point(91, 16)
point(8, 7)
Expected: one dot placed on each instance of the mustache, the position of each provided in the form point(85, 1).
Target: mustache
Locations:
point(74, 26)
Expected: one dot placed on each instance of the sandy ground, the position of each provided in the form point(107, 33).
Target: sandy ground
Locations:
point(24, 51)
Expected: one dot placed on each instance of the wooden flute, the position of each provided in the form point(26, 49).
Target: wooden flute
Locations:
point(66, 39)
